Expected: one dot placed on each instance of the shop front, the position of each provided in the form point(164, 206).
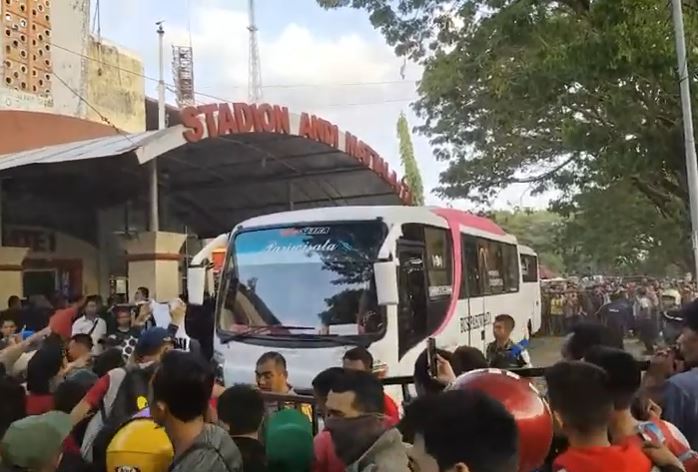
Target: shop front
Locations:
point(55, 261)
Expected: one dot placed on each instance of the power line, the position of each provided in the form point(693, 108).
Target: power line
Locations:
point(277, 86)
point(92, 107)
point(222, 99)
point(329, 105)
point(337, 84)
point(126, 135)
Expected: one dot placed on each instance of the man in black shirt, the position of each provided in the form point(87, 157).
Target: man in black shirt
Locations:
point(616, 314)
point(124, 335)
point(241, 410)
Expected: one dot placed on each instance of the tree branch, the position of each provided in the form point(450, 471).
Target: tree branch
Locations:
point(579, 6)
point(538, 178)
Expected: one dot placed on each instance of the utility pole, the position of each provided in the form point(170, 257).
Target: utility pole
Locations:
point(689, 139)
point(154, 213)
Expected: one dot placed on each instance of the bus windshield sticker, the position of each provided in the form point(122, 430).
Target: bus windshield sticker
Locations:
point(307, 231)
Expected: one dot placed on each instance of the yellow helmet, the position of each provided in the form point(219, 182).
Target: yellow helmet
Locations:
point(140, 445)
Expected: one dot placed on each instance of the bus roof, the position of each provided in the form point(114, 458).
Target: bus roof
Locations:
point(471, 221)
point(527, 250)
point(392, 214)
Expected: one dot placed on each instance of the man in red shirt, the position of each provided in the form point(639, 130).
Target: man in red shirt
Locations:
point(358, 358)
point(582, 404)
point(151, 346)
point(625, 378)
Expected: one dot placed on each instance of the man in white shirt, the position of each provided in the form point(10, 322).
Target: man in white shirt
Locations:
point(90, 323)
point(647, 328)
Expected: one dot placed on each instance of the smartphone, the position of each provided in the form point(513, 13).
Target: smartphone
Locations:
point(431, 358)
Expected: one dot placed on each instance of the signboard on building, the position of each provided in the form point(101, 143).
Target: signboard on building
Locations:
point(37, 240)
point(213, 120)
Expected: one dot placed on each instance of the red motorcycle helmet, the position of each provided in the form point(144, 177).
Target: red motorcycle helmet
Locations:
point(525, 403)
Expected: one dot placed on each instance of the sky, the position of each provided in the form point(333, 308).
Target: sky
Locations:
point(331, 63)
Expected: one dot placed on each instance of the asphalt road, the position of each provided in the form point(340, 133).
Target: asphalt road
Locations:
point(545, 351)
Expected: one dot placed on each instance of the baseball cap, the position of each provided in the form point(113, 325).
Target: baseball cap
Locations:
point(152, 340)
point(289, 440)
point(84, 377)
point(32, 442)
point(689, 313)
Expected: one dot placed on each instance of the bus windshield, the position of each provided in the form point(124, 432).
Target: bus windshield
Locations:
point(303, 280)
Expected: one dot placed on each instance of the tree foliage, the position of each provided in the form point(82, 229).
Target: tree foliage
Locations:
point(618, 230)
point(587, 236)
point(409, 163)
point(577, 95)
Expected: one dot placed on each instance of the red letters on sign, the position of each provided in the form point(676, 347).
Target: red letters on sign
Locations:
point(350, 143)
point(305, 129)
point(243, 115)
point(211, 127)
point(281, 120)
point(222, 119)
point(190, 119)
point(266, 117)
point(226, 120)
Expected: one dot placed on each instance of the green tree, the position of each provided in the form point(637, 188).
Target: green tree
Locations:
point(577, 95)
point(618, 230)
point(565, 93)
point(409, 163)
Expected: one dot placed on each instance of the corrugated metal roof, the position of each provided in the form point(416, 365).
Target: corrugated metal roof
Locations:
point(160, 140)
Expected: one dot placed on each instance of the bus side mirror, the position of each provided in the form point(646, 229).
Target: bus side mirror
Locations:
point(196, 283)
point(385, 273)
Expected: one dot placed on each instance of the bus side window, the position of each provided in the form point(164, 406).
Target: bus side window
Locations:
point(511, 265)
point(529, 268)
point(495, 268)
point(471, 285)
point(439, 274)
point(439, 271)
point(484, 264)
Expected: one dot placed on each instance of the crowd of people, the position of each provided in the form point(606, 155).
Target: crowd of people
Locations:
point(645, 308)
point(88, 389)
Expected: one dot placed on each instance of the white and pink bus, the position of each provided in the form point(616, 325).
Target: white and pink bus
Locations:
point(312, 284)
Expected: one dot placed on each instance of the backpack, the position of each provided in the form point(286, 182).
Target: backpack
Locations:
point(195, 448)
point(130, 398)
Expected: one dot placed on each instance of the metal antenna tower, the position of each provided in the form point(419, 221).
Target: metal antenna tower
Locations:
point(254, 67)
point(183, 69)
point(183, 72)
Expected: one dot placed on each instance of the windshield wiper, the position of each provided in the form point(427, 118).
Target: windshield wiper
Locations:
point(336, 339)
point(256, 330)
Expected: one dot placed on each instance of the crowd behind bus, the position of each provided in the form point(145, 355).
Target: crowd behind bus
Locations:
point(646, 308)
point(89, 388)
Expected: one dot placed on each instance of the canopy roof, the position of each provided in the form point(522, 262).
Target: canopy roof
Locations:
point(225, 163)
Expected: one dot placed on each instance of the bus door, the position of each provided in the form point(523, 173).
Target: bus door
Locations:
point(412, 306)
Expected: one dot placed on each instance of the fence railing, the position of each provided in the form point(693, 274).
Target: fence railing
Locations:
point(305, 396)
